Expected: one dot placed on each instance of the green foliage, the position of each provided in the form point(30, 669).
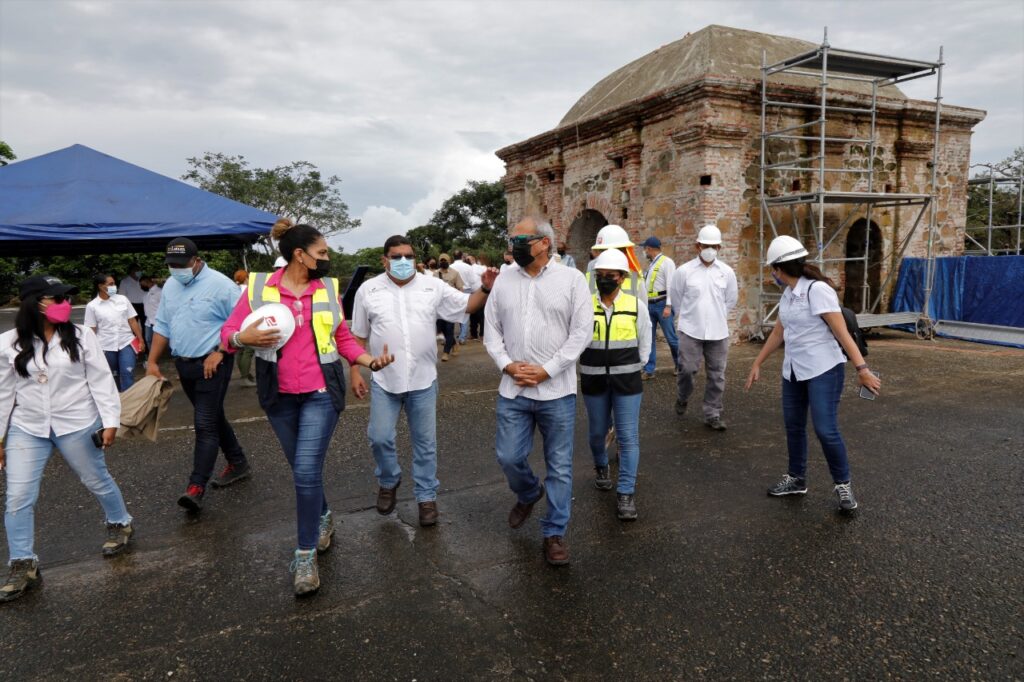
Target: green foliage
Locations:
point(472, 220)
point(6, 153)
point(1004, 205)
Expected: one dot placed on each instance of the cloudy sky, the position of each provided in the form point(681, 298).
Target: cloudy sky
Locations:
point(406, 101)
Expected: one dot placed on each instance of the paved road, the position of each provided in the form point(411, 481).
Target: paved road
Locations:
point(715, 580)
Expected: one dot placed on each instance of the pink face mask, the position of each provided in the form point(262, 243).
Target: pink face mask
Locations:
point(58, 313)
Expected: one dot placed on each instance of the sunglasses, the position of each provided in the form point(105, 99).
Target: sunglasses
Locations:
point(523, 239)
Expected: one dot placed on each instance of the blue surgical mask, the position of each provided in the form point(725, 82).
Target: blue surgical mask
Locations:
point(777, 280)
point(183, 275)
point(403, 268)
point(111, 290)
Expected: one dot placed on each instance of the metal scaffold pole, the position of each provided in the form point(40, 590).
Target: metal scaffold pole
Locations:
point(933, 210)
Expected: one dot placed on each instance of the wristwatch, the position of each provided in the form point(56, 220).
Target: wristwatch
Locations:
point(487, 292)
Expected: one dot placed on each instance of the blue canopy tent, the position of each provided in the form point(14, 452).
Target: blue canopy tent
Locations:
point(78, 200)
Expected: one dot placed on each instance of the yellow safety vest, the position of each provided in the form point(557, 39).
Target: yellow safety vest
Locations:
point(612, 360)
point(327, 314)
point(651, 293)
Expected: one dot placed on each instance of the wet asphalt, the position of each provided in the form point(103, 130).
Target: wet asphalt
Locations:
point(714, 581)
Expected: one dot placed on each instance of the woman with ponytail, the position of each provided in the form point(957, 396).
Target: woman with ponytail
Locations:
point(56, 390)
point(301, 384)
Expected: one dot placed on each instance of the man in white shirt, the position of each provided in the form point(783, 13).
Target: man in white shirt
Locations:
point(657, 276)
point(704, 291)
point(470, 281)
point(540, 319)
point(397, 311)
point(131, 288)
point(151, 304)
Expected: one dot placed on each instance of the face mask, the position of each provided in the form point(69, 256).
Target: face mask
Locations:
point(561, 252)
point(777, 280)
point(708, 255)
point(402, 269)
point(322, 269)
point(522, 253)
point(606, 285)
point(444, 265)
point(183, 275)
point(111, 290)
point(146, 287)
point(58, 313)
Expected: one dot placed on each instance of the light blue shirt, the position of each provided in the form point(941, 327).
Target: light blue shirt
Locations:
point(191, 316)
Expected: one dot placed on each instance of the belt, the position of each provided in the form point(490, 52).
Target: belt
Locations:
point(657, 297)
point(180, 358)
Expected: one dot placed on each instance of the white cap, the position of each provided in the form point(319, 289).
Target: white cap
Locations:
point(280, 262)
point(784, 248)
point(709, 234)
point(612, 259)
point(611, 237)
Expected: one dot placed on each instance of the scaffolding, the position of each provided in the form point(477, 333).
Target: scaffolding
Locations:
point(820, 66)
point(984, 247)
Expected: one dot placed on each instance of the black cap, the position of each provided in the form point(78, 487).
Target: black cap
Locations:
point(180, 251)
point(45, 285)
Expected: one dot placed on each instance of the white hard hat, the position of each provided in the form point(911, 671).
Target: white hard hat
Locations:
point(275, 316)
point(611, 237)
point(280, 262)
point(709, 234)
point(784, 248)
point(612, 259)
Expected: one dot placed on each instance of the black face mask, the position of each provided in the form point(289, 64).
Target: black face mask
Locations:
point(444, 265)
point(322, 269)
point(606, 285)
point(521, 252)
point(561, 252)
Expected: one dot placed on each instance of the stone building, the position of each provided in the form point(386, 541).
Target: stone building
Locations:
point(671, 142)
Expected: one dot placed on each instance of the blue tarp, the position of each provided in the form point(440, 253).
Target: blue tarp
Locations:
point(78, 200)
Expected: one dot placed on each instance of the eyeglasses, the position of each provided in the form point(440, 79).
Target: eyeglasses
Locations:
point(523, 239)
point(297, 307)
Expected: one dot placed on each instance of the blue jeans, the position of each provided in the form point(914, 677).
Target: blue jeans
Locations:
point(213, 431)
point(421, 413)
point(556, 420)
point(464, 326)
point(147, 334)
point(626, 410)
point(668, 326)
point(122, 364)
point(27, 456)
point(822, 394)
point(304, 424)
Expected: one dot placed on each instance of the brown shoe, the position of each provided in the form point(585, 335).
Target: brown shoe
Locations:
point(555, 551)
point(428, 513)
point(386, 498)
point(521, 512)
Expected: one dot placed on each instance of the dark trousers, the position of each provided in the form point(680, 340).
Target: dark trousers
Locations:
point(476, 324)
point(448, 329)
point(822, 395)
point(213, 432)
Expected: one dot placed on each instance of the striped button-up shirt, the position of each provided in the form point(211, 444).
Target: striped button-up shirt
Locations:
point(545, 320)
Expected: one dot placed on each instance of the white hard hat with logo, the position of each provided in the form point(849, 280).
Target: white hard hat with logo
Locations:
point(612, 259)
point(611, 237)
point(784, 248)
point(275, 316)
point(710, 235)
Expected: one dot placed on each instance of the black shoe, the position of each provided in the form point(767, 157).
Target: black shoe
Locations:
point(625, 507)
point(192, 500)
point(789, 485)
point(24, 576)
point(847, 502)
point(603, 480)
point(715, 424)
point(232, 473)
point(680, 407)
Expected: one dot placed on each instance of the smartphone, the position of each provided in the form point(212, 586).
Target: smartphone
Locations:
point(97, 437)
point(865, 392)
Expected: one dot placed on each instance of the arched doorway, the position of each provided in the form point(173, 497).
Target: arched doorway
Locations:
point(862, 235)
point(582, 234)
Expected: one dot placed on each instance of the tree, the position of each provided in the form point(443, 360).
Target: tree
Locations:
point(1004, 204)
point(472, 220)
point(6, 153)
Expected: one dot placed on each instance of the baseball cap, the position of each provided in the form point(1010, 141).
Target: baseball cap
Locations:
point(45, 285)
point(653, 242)
point(180, 251)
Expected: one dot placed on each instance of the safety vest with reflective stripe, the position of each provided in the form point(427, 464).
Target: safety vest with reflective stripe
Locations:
point(651, 293)
point(326, 317)
point(612, 360)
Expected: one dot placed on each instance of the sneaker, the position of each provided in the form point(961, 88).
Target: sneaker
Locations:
point(323, 541)
point(789, 485)
point(440, 338)
point(625, 507)
point(192, 500)
point(715, 423)
point(847, 502)
point(603, 480)
point(675, 371)
point(24, 576)
point(455, 349)
point(680, 407)
point(249, 383)
point(118, 536)
point(307, 577)
point(233, 473)
point(444, 357)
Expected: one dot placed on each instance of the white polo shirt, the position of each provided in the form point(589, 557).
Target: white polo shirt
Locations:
point(702, 297)
point(110, 318)
point(405, 317)
point(810, 349)
point(470, 280)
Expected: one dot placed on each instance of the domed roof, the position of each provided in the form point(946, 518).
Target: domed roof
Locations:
point(717, 51)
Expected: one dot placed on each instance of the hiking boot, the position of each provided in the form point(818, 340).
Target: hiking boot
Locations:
point(625, 507)
point(232, 473)
point(118, 535)
point(789, 485)
point(603, 479)
point(428, 513)
point(24, 576)
point(323, 540)
point(192, 500)
point(555, 551)
point(680, 407)
point(521, 512)
point(386, 498)
point(715, 423)
point(307, 577)
point(847, 502)
point(646, 376)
